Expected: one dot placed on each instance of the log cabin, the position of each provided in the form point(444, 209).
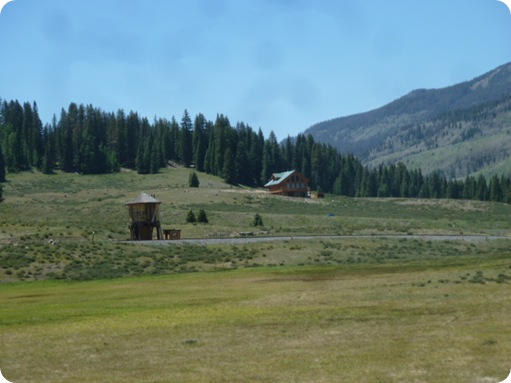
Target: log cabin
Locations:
point(290, 184)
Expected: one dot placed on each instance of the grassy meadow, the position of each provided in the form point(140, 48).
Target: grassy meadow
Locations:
point(80, 304)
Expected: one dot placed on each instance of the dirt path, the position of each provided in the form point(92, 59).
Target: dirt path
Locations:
point(246, 240)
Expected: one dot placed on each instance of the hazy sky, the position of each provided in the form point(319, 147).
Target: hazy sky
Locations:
point(278, 65)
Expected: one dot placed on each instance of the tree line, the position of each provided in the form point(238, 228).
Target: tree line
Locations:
point(87, 140)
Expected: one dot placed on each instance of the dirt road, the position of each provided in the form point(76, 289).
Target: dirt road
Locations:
point(255, 239)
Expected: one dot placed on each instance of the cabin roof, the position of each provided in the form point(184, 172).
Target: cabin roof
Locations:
point(143, 198)
point(277, 178)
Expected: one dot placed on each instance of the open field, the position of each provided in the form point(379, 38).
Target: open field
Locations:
point(68, 226)
point(415, 322)
point(79, 304)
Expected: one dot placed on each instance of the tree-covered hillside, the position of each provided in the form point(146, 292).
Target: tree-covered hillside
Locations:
point(460, 142)
point(87, 140)
point(460, 130)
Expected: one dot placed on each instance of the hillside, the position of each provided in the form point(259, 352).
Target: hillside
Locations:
point(461, 129)
point(69, 226)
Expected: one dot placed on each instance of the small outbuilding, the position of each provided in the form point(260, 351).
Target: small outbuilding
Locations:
point(290, 184)
point(171, 234)
point(145, 217)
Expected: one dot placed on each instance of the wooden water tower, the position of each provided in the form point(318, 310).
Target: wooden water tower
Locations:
point(145, 217)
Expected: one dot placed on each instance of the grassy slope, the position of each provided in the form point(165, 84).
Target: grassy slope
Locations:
point(371, 310)
point(87, 217)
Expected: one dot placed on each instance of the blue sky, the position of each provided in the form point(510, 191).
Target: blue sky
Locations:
point(278, 65)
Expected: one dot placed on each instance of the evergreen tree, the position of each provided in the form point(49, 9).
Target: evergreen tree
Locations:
point(143, 158)
point(255, 158)
point(132, 145)
point(202, 217)
point(190, 217)
point(185, 140)
point(65, 143)
point(155, 156)
point(242, 173)
point(495, 189)
point(220, 146)
point(209, 157)
point(505, 184)
point(257, 221)
point(481, 188)
point(173, 137)
point(193, 180)
point(121, 145)
point(2, 165)
point(469, 188)
point(37, 147)
point(268, 164)
point(199, 142)
point(229, 171)
point(76, 117)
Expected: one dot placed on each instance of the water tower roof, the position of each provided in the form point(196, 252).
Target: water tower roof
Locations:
point(143, 198)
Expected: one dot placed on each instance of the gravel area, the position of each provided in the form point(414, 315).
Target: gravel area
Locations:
point(246, 240)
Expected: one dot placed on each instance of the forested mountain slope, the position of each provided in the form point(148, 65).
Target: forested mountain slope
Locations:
point(461, 129)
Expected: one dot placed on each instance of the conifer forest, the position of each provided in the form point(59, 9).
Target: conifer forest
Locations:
point(87, 140)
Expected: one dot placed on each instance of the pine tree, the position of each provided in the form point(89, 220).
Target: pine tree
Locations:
point(481, 188)
point(202, 217)
point(190, 217)
point(2, 165)
point(229, 171)
point(220, 145)
point(199, 143)
point(257, 221)
point(193, 180)
point(36, 138)
point(185, 140)
point(268, 165)
point(242, 173)
point(48, 161)
point(65, 143)
point(132, 142)
point(142, 158)
point(173, 138)
point(155, 157)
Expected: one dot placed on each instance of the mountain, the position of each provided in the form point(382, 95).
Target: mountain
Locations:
point(461, 129)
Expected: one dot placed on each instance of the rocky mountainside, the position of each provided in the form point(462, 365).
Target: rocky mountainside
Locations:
point(462, 129)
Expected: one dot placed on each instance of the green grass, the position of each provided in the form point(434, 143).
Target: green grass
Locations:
point(82, 307)
point(87, 219)
point(380, 323)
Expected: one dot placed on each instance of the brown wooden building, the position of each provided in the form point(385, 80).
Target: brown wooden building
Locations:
point(290, 184)
point(145, 217)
